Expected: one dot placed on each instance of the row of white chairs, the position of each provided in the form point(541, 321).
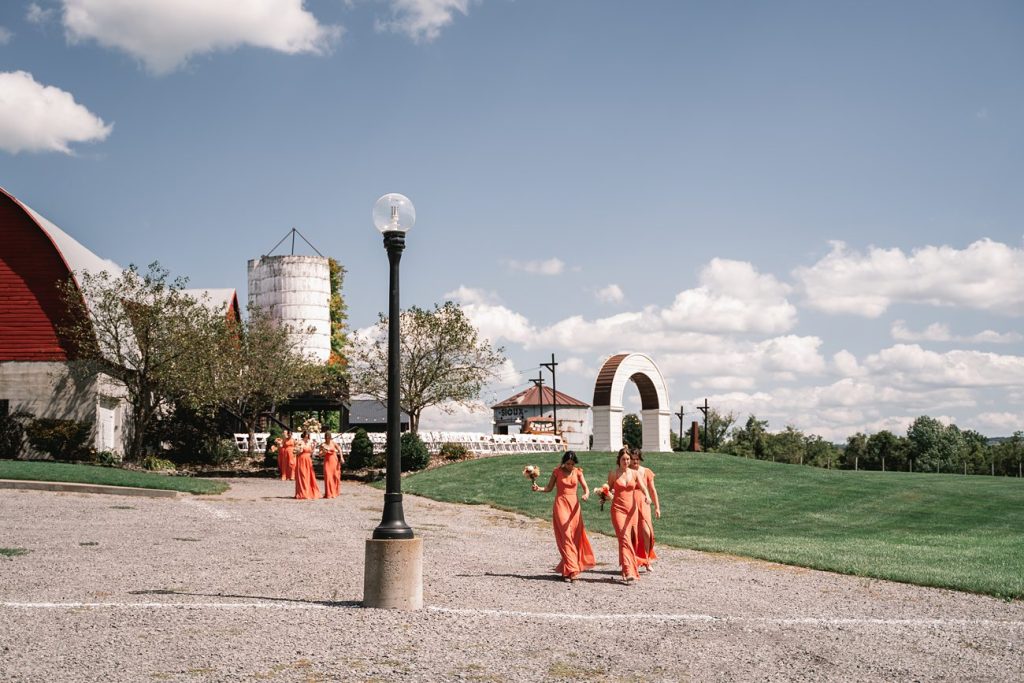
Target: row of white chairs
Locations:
point(478, 443)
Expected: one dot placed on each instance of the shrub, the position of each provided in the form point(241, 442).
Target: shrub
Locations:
point(107, 459)
point(415, 455)
point(224, 452)
point(62, 439)
point(151, 462)
point(453, 451)
point(361, 454)
point(12, 433)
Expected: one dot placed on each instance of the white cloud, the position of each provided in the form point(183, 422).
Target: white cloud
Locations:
point(5, 36)
point(1002, 423)
point(38, 15)
point(733, 297)
point(165, 33)
point(552, 266)
point(494, 321)
point(612, 294)
point(940, 332)
point(43, 118)
point(910, 365)
point(422, 20)
point(986, 275)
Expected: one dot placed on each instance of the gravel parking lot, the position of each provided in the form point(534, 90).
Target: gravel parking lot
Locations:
point(252, 585)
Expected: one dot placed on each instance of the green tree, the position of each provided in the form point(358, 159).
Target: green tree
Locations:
point(140, 330)
point(749, 441)
point(713, 438)
point(1008, 455)
point(975, 454)
point(885, 450)
point(933, 445)
point(444, 360)
point(819, 452)
point(787, 446)
point(632, 431)
point(248, 368)
point(415, 455)
point(854, 455)
point(339, 314)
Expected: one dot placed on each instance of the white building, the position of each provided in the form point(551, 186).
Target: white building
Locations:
point(574, 422)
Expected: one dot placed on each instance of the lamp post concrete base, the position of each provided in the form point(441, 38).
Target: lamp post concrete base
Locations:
point(393, 574)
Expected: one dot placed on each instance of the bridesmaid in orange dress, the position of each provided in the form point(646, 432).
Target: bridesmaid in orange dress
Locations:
point(286, 457)
point(644, 542)
point(333, 460)
point(567, 520)
point(626, 513)
point(306, 487)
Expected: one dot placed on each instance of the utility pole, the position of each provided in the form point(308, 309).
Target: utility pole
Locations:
point(704, 409)
point(539, 383)
point(680, 416)
point(554, 390)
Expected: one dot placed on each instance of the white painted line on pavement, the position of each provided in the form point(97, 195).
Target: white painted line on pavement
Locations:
point(697, 618)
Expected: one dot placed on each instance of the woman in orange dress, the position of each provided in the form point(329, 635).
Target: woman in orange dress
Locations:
point(306, 487)
point(643, 544)
point(567, 520)
point(623, 482)
point(333, 460)
point(286, 456)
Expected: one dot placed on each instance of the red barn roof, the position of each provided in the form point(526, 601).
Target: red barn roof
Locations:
point(530, 397)
point(35, 256)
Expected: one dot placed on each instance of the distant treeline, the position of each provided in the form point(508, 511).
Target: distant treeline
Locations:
point(928, 446)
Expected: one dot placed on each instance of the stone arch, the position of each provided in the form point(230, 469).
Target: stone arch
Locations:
point(654, 405)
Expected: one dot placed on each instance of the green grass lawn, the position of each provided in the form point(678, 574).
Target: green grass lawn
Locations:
point(944, 530)
point(41, 470)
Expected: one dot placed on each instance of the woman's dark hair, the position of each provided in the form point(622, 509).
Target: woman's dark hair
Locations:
point(622, 451)
point(327, 437)
point(570, 455)
point(636, 453)
point(304, 435)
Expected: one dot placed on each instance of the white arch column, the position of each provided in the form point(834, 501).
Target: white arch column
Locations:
point(607, 428)
point(656, 427)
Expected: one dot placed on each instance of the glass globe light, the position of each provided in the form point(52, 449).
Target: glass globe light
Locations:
point(394, 213)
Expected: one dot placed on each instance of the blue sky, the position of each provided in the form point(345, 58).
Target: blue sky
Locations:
point(807, 211)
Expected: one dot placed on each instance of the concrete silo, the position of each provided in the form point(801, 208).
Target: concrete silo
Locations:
point(295, 290)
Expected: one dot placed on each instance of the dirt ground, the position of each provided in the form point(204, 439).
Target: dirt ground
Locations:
point(253, 585)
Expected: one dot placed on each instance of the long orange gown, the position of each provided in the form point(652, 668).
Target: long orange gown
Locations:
point(332, 469)
point(306, 487)
point(643, 544)
point(625, 519)
point(567, 520)
point(286, 459)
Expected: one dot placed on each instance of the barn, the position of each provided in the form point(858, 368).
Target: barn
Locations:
point(35, 257)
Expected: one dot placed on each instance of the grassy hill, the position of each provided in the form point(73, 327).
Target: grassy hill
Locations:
point(944, 530)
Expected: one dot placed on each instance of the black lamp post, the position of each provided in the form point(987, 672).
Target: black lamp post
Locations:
point(394, 214)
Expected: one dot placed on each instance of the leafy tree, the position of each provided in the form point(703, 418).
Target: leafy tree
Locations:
point(1008, 455)
point(444, 360)
point(673, 441)
point(750, 441)
point(975, 453)
point(854, 455)
point(787, 446)
point(632, 431)
point(885, 450)
point(714, 437)
point(339, 314)
point(249, 368)
point(819, 452)
point(141, 330)
point(932, 444)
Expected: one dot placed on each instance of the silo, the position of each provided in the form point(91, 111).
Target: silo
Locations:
point(295, 290)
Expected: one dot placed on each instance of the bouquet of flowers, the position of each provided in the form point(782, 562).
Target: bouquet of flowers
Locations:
point(531, 472)
point(605, 494)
